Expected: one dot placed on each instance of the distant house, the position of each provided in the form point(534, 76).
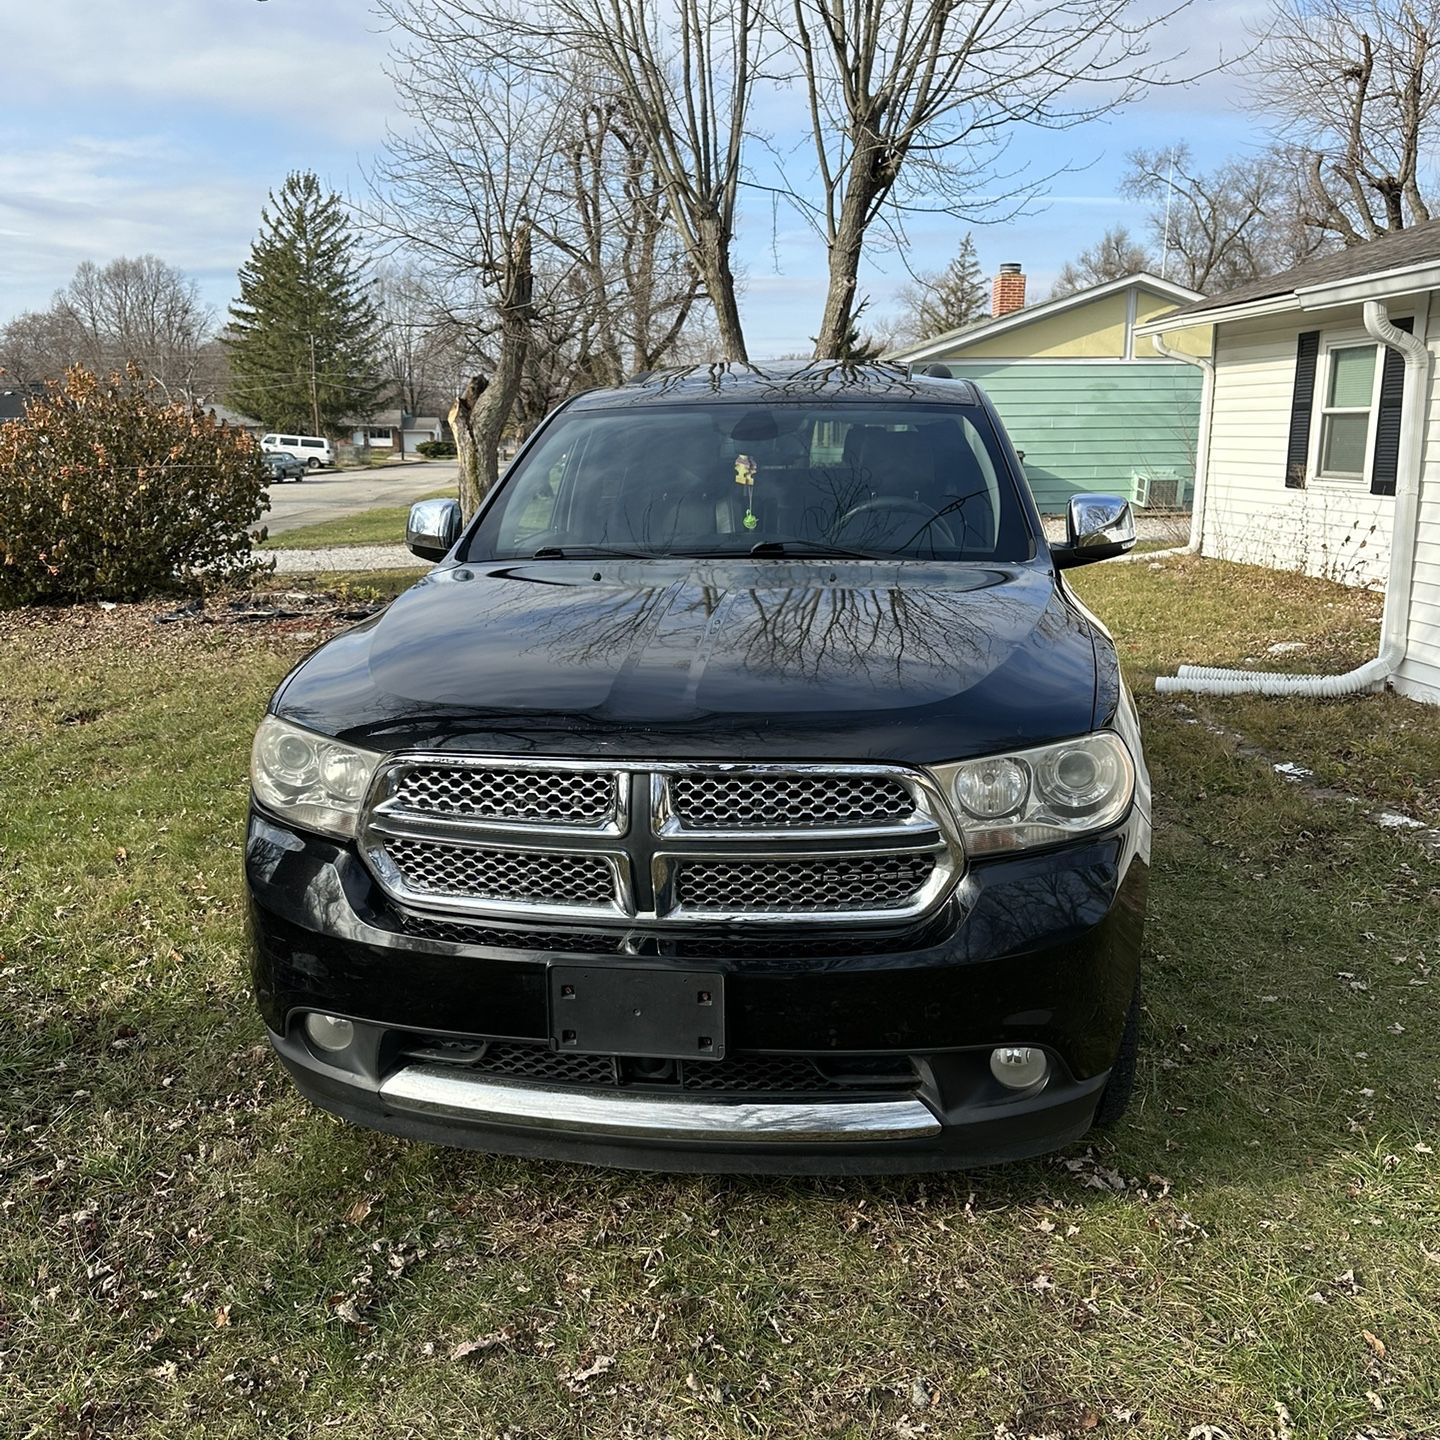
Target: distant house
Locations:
point(236, 418)
point(397, 431)
point(1323, 449)
point(13, 401)
point(1091, 405)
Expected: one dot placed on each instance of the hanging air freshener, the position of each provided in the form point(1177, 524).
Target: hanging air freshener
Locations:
point(745, 471)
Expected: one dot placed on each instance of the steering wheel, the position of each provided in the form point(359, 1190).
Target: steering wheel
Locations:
point(886, 505)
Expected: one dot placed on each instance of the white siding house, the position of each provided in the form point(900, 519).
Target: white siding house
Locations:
point(1333, 527)
point(397, 431)
point(1304, 461)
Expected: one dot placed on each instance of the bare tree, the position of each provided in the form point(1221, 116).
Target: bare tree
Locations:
point(684, 73)
point(39, 345)
point(461, 185)
point(1216, 229)
point(639, 286)
point(912, 103)
point(420, 343)
point(535, 206)
point(137, 311)
point(1352, 90)
point(1113, 255)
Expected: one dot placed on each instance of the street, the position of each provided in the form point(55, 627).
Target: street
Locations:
point(329, 494)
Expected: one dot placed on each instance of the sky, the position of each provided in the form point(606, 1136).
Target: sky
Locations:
point(135, 126)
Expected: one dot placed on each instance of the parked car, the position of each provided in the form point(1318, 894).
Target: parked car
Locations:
point(282, 467)
point(744, 789)
point(314, 450)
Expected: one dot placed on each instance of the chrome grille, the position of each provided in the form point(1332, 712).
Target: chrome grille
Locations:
point(535, 877)
point(536, 797)
point(788, 802)
point(813, 886)
point(654, 844)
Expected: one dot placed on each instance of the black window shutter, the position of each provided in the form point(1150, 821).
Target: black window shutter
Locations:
point(1387, 418)
point(1307, 351)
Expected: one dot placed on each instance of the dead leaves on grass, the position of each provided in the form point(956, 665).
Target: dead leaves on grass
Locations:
point(471, 1349)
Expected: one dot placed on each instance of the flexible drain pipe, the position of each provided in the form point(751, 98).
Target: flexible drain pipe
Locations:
point(1202, 456)
point(1206, 680)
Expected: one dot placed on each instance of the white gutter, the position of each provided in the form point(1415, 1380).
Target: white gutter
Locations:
point(1185, 319)
point(1202, 454)
point(1205, 680)
point(1411, 280)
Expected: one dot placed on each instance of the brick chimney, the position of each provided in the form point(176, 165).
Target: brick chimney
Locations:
point(1009, 291)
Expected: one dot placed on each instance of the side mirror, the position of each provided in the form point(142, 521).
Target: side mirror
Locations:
point(1097, 527)
point(433, 528)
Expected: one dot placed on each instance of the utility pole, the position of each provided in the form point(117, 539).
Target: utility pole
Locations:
point(1169, 196)
point(314, 392)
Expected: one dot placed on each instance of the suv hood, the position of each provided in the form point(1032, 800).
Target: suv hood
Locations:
point(709, 659)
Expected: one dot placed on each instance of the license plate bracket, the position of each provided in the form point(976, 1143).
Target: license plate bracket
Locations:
point(637, 1010)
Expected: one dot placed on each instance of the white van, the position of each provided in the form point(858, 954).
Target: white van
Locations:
point(314, 450)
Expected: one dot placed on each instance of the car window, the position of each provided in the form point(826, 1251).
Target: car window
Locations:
point(918, 483)
point(313, 444)
point(289, 440)
point(268, 440)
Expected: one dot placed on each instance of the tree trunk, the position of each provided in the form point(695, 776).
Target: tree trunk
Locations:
point(845, 250)
point(466, 450)
point(719, 278)
point(482, 409)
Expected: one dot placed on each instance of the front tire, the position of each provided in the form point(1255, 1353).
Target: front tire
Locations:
point(1115, 1100)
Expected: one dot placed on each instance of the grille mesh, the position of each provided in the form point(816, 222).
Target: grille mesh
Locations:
point(814, 886)
point(537, 1062)
point(552, 797)
point(747, 1074)
point(585, 942)
point(542, 878)
point(788, 802)
point(737, 1075)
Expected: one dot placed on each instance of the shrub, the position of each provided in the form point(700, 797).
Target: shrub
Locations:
point(436, 449)
point(108, 490)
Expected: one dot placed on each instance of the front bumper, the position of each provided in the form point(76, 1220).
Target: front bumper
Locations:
point(1039, 950)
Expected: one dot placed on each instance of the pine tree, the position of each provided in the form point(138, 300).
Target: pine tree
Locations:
point(303, 334)
point(954, 298)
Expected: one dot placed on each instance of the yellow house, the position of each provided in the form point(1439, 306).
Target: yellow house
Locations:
point(1092, 405)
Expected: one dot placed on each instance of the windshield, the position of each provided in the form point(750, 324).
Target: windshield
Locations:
point(867, 480)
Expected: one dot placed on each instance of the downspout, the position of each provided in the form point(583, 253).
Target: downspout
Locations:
point(1202, 456)
point(1203, 680)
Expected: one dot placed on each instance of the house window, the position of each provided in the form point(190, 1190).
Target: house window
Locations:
point(1349, 396)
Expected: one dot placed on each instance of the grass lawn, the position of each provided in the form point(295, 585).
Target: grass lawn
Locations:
point(384, 525)
point(190, 1251)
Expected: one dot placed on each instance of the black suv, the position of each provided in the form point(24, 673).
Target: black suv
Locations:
point(743, 790)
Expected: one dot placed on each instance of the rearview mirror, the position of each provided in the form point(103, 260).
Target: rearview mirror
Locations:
point(1097, 527)
point(433, 528)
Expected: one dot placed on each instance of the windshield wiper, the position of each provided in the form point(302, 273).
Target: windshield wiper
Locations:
point(820, 549)
point(576, 552)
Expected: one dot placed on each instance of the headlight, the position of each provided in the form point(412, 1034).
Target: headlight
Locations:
point(308, 778)
point(1042, 796)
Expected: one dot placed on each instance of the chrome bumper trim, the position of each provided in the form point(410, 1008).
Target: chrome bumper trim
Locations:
point(458, 1095)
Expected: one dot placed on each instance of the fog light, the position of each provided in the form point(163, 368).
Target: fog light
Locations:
point(1018, 1067)
point(329, 1032)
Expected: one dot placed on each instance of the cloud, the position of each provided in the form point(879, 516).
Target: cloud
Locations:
point(93, 198)
point(233, 55)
